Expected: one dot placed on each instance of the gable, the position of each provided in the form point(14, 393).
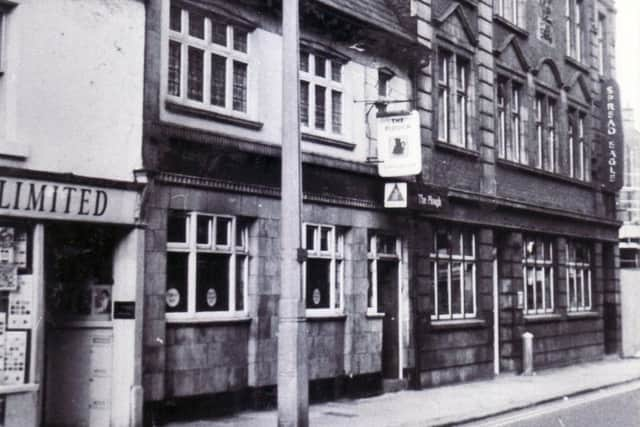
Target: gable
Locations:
point(455, 26)
point(578, 89)
point(511, 55)
point(547, 73)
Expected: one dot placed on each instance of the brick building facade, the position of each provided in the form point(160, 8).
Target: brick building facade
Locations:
point(508, 95)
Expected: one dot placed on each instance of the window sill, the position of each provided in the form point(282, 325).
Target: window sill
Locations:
point(583, 315)
point(19, 388)
point(375, 315)
point(188, 320)
point(13, 150)
point(322, 140)
point(311, 316)
point(445, 146)
point(542, 172)
point(200, 113)
point(542, 318)
point(576, 63)
point(442, 325)
point(510, 25)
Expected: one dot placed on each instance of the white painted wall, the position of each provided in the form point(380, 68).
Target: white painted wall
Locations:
point(71, 95)
point(630, 295)
point(265, 97)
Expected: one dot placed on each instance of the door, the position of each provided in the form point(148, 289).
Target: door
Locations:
point(388, 284)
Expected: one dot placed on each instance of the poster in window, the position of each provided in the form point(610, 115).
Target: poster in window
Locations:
point(15, 357)
point(21, 304)
point(8, 277)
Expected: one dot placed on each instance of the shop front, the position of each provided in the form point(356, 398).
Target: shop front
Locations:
point(70, 269)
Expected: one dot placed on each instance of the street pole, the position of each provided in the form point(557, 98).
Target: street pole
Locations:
point(293, 376)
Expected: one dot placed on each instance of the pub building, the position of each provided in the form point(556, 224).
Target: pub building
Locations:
point(409, 281)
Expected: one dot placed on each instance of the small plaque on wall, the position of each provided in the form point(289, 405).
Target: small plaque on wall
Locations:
point(124, 310)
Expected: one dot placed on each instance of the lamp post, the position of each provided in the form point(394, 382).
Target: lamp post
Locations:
point(293, 377)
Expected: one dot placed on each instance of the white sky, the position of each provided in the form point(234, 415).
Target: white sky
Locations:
point(628, 53)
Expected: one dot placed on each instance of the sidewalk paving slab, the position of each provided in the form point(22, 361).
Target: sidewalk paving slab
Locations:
point(453, 404)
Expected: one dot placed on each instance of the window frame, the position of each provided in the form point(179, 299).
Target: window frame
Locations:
point(208, 48)
point(576, 122)
point(503, 7)
point(330, 87)
point(574, 29)
point(510, 130)
point(193, 248)
point(454, 98)
point(373, 257)
point(572, 268)
point(546, 125)
point(450, 259)
point(335, 255)
point(538, 265)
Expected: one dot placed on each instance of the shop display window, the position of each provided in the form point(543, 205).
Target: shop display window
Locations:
point(79, 273)
point(17, 303)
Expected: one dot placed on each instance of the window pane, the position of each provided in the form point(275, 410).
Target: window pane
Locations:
point(241, 262)
point(240, 40)
point(175, 22)
point(318, 283)
point(454, 237)
point(304, 103)
point(548, 288)
point(443, 114)
point(539, 287)
point(321, 66)
point(219, 33)
point(222, 231)
point(194, 83)
point(338, 285)
point(442, 280)
point(239, 86)
point(456, 286)
point(325, 237)
point(469, 289)
point(177, 290)
point(530, 282)
point(196, 25)
point(177, 227)
point(311, 232)
point(336, 111)
point(468, 244)
point(370, 285)
point(443, 242)
point(175, 56)
point(304, 61)
point(572, 289)
point(218, 80)
point(320, 107)
point(387, 245)
point(203, 230)
point(241, 233)
point(212, 282)
point(336, 71)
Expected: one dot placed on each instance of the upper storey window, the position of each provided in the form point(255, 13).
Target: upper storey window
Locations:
point(453, 99)
point(208, 61)
point(545, 124)
point(321, 94)
point(509, 10)
point(509, 120)
point(574, 28)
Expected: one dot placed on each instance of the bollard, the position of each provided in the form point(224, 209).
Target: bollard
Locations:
point(527, 353)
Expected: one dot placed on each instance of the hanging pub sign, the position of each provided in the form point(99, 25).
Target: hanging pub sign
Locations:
point(399, 148)
point(613, 148)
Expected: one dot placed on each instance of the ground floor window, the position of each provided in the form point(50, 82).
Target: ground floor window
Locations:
point(537, 271)
point(383, 253)
point(207, 264)
point(453, 263)
point(324, 268)
point(578, 276)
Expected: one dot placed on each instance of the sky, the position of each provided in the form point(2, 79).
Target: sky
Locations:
point(628, 54)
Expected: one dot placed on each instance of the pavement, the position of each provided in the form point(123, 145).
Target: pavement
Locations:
point(454, 404)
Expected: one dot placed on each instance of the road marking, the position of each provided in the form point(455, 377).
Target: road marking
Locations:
point(558, 405)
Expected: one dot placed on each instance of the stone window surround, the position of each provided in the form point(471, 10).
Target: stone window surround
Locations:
point(510, 115)
point(544, 265)
point(334, 254)
point(574, 268)
point(464, 260)
point(227, 114)
point(234, 250)
point(373, 256)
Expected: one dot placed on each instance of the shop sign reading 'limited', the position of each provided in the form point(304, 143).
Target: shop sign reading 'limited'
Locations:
point(44, 199)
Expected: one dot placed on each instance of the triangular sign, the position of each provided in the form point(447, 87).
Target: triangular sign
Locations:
point(396, 195)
